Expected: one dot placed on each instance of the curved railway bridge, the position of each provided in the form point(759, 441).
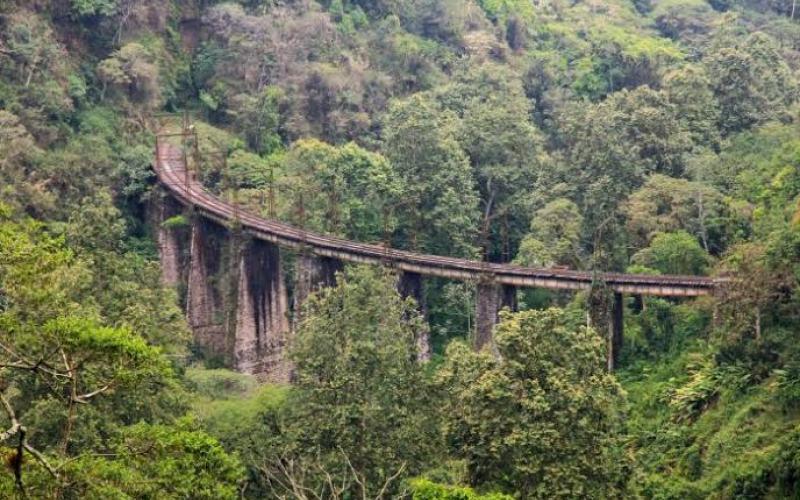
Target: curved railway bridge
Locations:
point(237, 303)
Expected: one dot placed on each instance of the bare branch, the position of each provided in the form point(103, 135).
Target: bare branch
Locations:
point(390, 480)
point(84, 397)
point(28, 364)
point(358, 479)
point(294, 486)
point(18, 428)
point(15, 425)
point(33, 451)
point(66, 361)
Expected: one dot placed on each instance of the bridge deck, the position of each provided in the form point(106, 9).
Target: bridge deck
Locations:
point(172, 174)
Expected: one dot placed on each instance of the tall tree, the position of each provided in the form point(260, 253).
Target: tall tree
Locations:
point(361, 409)
point(346, 191)
point(751, 82)
point(666, 204)
point(541, 420)
point(674, 253)
point(505, 150)
point(73, 386)
point(440, 205)
point(610, 148)
point(554, 238)
point(688, 90)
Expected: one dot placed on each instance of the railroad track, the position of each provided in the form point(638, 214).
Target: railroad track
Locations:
point(172, 174)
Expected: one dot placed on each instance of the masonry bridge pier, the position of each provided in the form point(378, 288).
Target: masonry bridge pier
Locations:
point(231, 264)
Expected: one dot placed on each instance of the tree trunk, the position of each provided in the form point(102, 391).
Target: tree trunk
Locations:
point(701, 216)
point(758, 323)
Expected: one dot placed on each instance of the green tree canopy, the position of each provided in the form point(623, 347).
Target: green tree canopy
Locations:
point(361, 408)
point(751, 82)
point(666, 204)
point(674, 253)
point(613, 146)
point(346, 190)
point(541, 418)
point(73, 385)
point(554, 238)
point(440, 208)
point(505, 150)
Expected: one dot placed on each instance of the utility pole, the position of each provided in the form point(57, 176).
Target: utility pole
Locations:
point(196, 152)
point(184, 159)
point(233, 198)
point(271, 195)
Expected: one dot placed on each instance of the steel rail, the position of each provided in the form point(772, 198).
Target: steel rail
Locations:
point(171, 172)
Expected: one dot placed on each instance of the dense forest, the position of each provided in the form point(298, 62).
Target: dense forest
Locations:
point(640, 136)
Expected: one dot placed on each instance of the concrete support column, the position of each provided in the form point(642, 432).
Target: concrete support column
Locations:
point(639, 305)
point(509, 298)
point(487, 305)
point(171, 246)
point(491, 298)
point(615, 330)
point(311, 274)
point(409, 284)
point(206, 291)
point(262, 313)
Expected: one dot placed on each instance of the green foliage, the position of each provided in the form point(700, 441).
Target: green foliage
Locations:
point(554, 238)
point(506, 152)
point(160, 461)
point(599, 135)
point(440, 209)
point(77, 385)
point(345, 191)
point(219, 383)
point(689, 90)
point(787, 383)
point(133, 72)
point(752, 83)
point(501, 9)
point(665, 204)
point(701, 391)
point(611, 148)
point(700, 430)
point(685, 20)
point(175, 222)
point(541, 419)
point(260, 114)
point(674, 253)
point(249, 419)
point(361, 410)
point(242, 420)
point(133, 357)
point(94, 7)
point(422, 489)
point(619, 58)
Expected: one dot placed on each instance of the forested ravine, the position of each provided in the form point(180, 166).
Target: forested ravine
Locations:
point(645, 137)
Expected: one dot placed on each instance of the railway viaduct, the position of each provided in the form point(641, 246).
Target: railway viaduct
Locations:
point(245, 319)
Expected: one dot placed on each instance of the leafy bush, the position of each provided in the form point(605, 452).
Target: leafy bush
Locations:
point(219, 383)
point(423, 489)
point(688, 401)
point(541, 418)
point(175, 222)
